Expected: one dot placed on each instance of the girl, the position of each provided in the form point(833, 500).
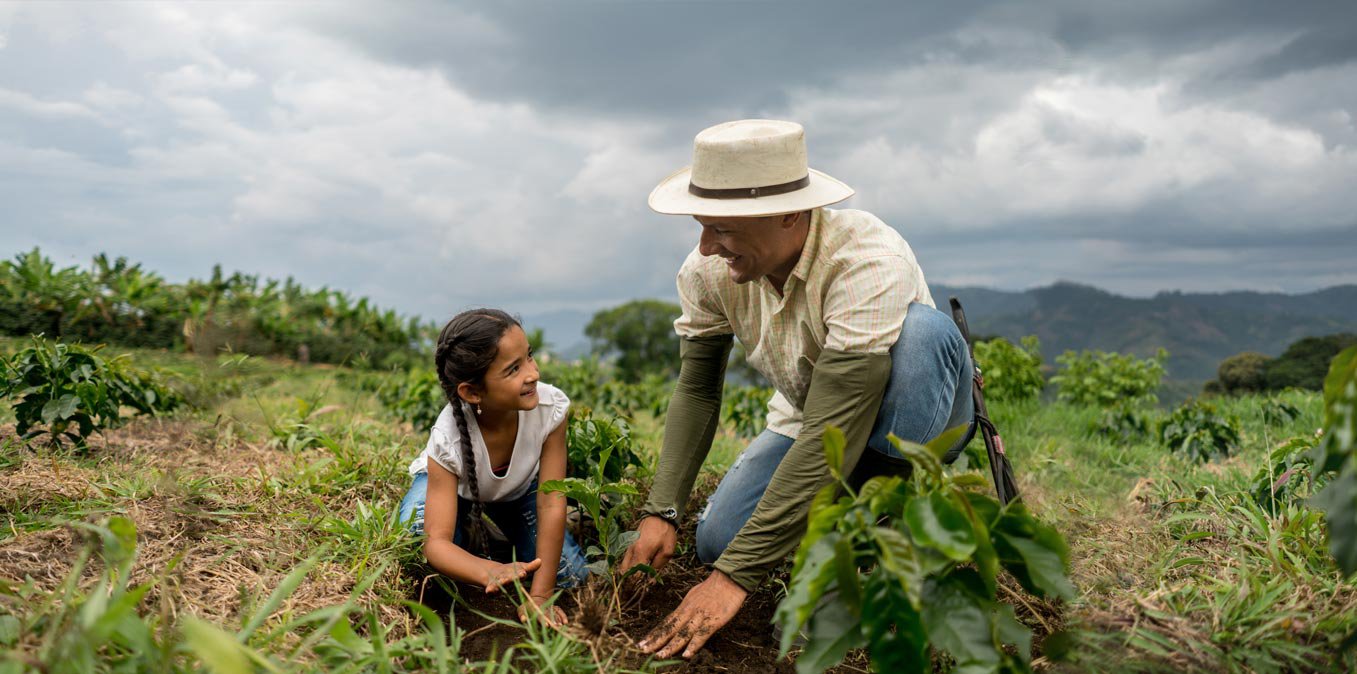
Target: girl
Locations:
point(501, 432)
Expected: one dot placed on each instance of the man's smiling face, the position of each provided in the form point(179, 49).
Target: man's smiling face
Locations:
point(755, 247)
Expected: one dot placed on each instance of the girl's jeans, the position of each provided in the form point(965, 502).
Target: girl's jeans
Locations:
point(929, 392)
point(516, 518)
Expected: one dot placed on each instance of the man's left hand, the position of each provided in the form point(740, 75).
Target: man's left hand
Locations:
point(705, 609)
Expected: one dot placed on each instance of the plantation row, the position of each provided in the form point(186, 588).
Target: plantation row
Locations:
point(116, 302)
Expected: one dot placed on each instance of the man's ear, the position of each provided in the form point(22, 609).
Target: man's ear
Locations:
point(790, 220)
point(469, 393)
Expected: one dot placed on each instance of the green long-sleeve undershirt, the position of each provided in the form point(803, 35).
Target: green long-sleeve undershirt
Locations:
point(845, 391)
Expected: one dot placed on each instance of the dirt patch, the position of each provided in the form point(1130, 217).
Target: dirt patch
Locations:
point(746, 644)
point(184, 444)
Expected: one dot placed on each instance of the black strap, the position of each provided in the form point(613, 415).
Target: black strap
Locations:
point(1000, 469)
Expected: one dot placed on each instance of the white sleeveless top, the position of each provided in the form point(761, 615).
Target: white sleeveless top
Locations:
point(533, 428)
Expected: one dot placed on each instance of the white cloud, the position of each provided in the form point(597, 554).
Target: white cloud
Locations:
point(1069, 146)
point(35, 107)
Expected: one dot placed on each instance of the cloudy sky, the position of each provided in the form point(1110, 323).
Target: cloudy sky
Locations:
point(436, 155)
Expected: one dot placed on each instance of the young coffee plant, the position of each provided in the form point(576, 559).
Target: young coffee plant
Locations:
point(1337, 453)
point(1123, 423)
point(1199, 431)
point(417, 398)
point(599, 445)
point(1285, 478)
point(297, 430)
point(1106, 379)
point(745, 408)
point(1011, 373)
point(905, 567)
point(1279, 412)
point(603, 500)
point(70, 391)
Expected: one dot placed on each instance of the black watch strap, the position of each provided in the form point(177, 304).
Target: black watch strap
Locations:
point(669, 515)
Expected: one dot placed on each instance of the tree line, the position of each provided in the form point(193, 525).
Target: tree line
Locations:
point(117, 302)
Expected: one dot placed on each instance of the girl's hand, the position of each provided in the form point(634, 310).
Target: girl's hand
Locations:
point(499, 575)
point(553, 616)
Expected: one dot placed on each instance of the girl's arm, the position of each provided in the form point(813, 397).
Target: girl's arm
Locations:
point(550, 515)
point(449, 559)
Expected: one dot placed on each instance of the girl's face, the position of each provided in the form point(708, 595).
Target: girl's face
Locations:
point(511, 381)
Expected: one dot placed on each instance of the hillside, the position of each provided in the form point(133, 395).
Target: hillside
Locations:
point(1198, 329)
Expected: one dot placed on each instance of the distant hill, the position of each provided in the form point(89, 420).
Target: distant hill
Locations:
point(1198, 329)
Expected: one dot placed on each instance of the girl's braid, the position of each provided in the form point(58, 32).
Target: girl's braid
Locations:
point(466, 347)
point(476, 534)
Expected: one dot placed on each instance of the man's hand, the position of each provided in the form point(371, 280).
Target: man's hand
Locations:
point(706, 609)
point(499, 575)
point(654, 546)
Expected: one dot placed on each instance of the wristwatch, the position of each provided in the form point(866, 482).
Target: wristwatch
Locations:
point(669, 515)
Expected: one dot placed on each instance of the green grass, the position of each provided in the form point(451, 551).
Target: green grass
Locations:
point(267, 511)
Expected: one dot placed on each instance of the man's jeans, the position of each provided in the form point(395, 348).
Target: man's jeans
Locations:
point(929, 392)
point(516, 518)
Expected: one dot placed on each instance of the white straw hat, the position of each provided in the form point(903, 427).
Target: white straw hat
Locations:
point(747, 168)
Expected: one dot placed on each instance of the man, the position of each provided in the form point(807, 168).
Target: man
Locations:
point(833, 310)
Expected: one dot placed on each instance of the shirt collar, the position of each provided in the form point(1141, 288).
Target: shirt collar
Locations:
point(802, 268)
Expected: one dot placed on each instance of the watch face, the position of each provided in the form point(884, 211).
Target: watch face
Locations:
point(669, 514)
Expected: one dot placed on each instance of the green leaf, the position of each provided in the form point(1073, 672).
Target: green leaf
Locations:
point(833, 631)
point(957, 620)
point(921, 456)
point(1042, 568)
point(936, 523)
point(219, 651)
point(900, 559)
point(60, 408)
point(1338, 500)
point(1033, 552)
point(816, 570)
point(834, 442)
point(894, 629)
point(9, 630)
point(845, 560)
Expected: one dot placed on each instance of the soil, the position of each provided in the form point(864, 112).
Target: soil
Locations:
point(746, 644)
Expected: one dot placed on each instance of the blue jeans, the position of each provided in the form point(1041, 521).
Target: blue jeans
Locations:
point(929, 391)
point(516, 518)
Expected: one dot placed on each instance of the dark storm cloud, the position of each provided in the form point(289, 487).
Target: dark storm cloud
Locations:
point(654, 58)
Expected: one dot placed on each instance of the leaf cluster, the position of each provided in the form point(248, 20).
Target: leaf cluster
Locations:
point(1337, 454)
point(415, 398)
point(602, 446)
point(900, 567)
point(1101, 379)
point(592, 383)
point(1198, 430)
point(1279, 412)
point(601, 494)
point(1011, 372)
point(745, 409)
point(1282, 481)
point(117, 302)
point(70, 391)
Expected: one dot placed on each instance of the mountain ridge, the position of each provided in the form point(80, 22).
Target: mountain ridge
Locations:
point(1199, 329)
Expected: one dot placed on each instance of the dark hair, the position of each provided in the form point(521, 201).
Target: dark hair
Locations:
point(467, 346)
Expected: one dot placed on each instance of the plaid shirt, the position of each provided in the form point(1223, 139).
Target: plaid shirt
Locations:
point(849, 291)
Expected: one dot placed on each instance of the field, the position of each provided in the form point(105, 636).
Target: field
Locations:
point(265, 540)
